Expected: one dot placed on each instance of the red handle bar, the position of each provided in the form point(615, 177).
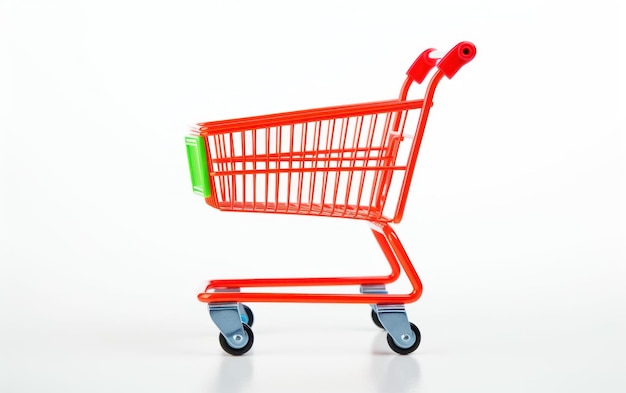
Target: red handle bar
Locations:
point(456, 58)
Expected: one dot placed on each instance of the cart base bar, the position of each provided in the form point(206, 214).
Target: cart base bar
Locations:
point(398, 259)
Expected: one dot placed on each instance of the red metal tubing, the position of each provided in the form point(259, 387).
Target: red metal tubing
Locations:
point(392, 249)
point(419, 134)
point(257, 297)
point(318, 114)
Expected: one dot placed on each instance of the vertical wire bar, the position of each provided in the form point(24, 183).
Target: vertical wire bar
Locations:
point(366, 160)
point(329, 143)
point(386, 156)
point(223, 180)
point(291, 131)
point(267, 167)
point(244, 168)
point(378, 165)
point(388, 148)
point(254, 174)
point(216, 167)
point(353, 156)
point(315, 152)
point(305, 127)
point(233, 167)
point(279, 131)
point(342, 148)
point(210, 156)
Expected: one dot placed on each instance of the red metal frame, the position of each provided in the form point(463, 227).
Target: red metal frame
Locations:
point(389, 243)
point(337, 162)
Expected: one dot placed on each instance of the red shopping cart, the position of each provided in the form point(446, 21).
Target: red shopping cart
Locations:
point(340, 161)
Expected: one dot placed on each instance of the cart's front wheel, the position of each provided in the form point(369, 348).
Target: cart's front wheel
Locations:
point(406, 351)
point(238, 351)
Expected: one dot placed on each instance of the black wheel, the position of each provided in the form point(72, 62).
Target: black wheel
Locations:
point(238, 351)
point(376, 320)
point(249, 316)
point(406, 351)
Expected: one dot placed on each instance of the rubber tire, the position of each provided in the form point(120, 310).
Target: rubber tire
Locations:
point(406, 351)
point(376, 320)
point(238, 351)
point(249, 314)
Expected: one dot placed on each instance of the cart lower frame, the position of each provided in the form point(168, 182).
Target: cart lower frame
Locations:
point(389, 243)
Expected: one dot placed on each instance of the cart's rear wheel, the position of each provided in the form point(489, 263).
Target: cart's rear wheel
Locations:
point(406, 351)
point(248, 318)
point(376, 320)
point(238, 351)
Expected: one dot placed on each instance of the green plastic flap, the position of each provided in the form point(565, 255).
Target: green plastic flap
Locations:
point(196, 154)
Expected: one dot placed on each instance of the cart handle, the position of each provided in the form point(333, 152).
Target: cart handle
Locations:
point(457, 57)
point(449, 64)
point(422, 66)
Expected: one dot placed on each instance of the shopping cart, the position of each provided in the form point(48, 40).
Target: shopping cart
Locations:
point(340, 161)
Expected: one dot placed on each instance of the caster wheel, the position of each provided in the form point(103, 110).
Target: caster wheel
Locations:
point(406, 351)
point(238, 351)
point(248, 317)
point(376, 320)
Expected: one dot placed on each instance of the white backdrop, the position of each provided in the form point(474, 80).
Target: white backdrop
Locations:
point(515, 221)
